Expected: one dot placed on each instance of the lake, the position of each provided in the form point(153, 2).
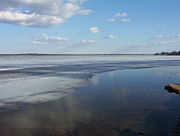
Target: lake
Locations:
point(89, 95)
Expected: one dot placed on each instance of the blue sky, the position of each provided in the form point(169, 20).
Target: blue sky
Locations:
point(89, 26)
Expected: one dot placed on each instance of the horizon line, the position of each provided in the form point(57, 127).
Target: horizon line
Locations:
point(70, 54)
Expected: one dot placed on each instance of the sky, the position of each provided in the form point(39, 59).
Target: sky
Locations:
point(89, 26)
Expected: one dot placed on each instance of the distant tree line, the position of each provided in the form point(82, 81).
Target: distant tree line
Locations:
point(168, 53)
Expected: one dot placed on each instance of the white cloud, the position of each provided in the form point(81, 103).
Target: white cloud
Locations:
point(74, 1)
point(89, 41)
point(33, 19)
point(45, 39)
point(121, 16)
point(125, 20)
point(94, 30)
point(111, 37)
point(166, 36)
point(111, 20)
point(69, 9)
point(40, 43)
point(124, 14)
point(35, 12)
point(159, 43)
point(85, 12)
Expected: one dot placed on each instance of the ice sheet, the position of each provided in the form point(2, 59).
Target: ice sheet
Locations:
point(34, 79)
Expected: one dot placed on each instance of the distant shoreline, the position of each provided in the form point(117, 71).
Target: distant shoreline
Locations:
point(70, 54)
point(34, 54)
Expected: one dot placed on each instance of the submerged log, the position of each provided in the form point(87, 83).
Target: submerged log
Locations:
point(173, 88)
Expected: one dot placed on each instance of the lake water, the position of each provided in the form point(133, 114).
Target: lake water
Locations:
point(89, 96)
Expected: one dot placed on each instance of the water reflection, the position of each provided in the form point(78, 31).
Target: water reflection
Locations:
point(121, 103)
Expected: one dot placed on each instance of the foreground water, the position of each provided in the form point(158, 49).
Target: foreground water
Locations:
point(79, 97)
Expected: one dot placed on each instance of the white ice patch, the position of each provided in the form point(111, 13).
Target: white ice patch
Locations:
point(39, 89)
point(19, 62)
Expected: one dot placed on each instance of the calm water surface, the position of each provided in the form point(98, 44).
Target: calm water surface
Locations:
point(129, 102)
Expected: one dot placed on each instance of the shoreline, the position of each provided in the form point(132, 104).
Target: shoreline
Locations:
point(34, 54)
